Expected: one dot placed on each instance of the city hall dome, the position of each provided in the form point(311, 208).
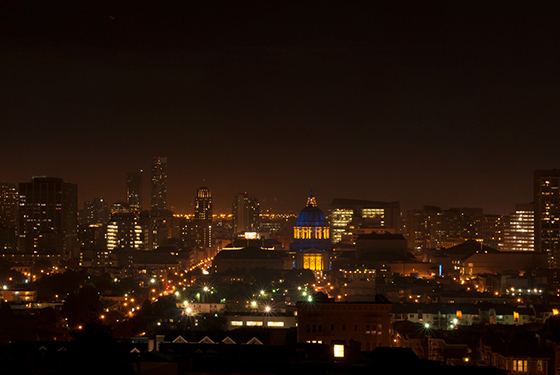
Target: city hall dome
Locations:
point(311, 215)
point(311, 223)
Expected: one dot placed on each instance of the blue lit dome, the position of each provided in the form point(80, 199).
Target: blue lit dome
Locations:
point(311, 215)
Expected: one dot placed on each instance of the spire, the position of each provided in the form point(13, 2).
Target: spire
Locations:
point(311, 201)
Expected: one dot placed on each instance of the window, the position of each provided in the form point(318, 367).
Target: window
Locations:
point(254, 324)
point(519, 365)
point(236, 323)
point(338, 351)
point(540, 365)
point(275, 324)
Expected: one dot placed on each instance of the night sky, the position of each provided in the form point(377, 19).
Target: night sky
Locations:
point(439, 103)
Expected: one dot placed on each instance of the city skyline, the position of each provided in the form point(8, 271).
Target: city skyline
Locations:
point(447, 105)
point(182, 204)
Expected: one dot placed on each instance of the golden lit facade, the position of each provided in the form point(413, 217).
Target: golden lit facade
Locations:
point(313, 261)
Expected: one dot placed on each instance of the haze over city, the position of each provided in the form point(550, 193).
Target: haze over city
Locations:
point(441, 104)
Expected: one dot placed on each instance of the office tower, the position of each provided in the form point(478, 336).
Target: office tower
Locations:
point(203, 204)
point(95, 212)
point(203, 217)
point(134, 190)
point(424, 228)
point(364, 214)
point(159, 183)
point(434, 228)
point(547, 214)
point(47, 216)
point(246, 214)
point(519, 231)
point(124, 231)
point(161, 228)
point(8, 217)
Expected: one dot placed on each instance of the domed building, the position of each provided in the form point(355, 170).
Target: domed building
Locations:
point(312, 238)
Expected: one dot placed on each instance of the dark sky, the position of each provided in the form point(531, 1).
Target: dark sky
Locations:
point(441, 103)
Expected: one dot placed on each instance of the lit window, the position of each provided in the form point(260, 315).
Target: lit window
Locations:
point(254, 324)
point(338, 351)
point(275, 324)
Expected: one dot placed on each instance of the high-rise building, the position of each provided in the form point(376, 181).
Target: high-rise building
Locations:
point(519, 231)
point(203, 204)
point(203, 217)
point(547, 214)
point(8, 217)
point(95, 212)
point(246, 214)
point(134, 190)
point(375, 215)
point(159, 183)
point(47, 216)
point(124, 231)
point(434, 228)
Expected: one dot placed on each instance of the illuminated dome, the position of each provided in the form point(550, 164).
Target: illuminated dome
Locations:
point(311, 215)
point(311, 226)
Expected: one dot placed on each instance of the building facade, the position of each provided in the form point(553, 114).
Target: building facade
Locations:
point(95, 212)
point(547, 214)
point(246, 214)
point(360, 213)
point(47, 216)
point(134, 190)
point(203, 217)
point(8, 217)
point(159, 183)
point(367, 324)
point(519, 232)
point(124, 231)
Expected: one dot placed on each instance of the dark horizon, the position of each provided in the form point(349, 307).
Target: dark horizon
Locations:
point(427, 104)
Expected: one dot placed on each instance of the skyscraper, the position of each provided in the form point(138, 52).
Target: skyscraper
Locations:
point(123, 230)
point(134, 190)
point(203, 217)
point(203, 204)
point(547, 214)
point(364, 213)
point(95, 212)
point(246, 214)
point(47, 215)
point(519, 231)
point(8, 217)
point(159, 183)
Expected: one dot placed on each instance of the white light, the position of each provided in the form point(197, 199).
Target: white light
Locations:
point(338, 351)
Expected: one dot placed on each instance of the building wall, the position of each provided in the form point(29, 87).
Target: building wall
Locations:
point(325, 322)
point(547, 214)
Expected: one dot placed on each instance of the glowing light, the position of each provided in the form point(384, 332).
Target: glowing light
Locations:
point(267, 309)
point(338, 351)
